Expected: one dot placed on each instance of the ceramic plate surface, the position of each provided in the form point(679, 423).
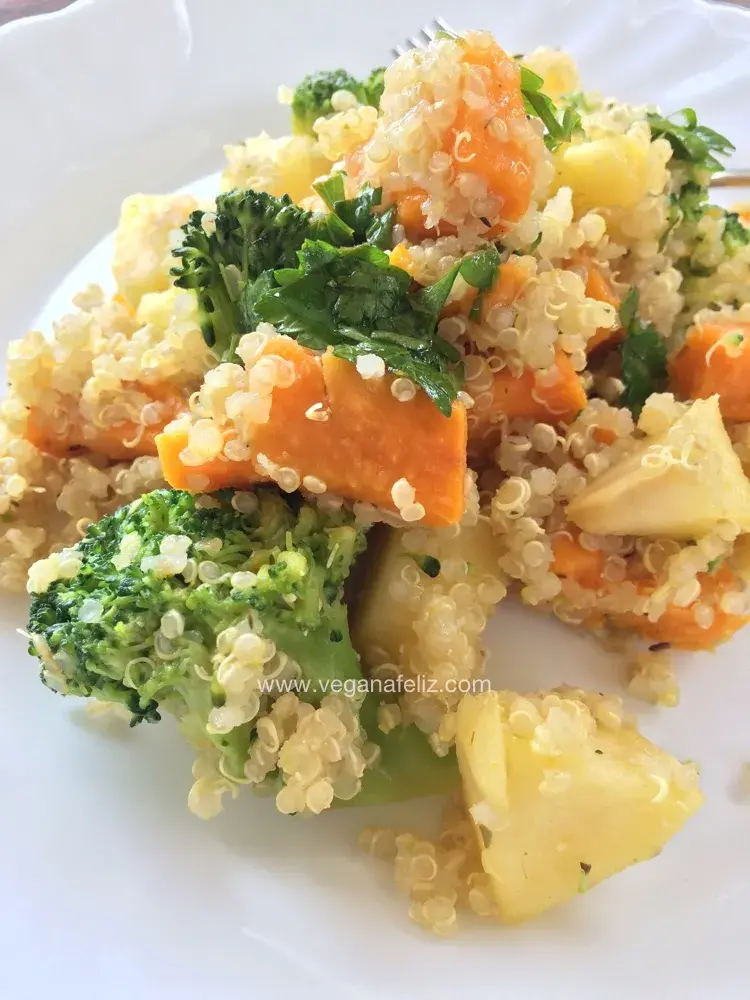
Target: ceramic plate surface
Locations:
point(109, 889)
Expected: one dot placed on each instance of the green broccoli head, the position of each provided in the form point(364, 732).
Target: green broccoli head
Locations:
point(170, 586)
point(227, 611)
point(251, 232)
point(374, 86)
point(312, 97)
point(736, 234)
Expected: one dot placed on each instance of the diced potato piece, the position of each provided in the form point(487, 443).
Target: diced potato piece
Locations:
point(563, 794)
point(287, 165)
point(144, 240)
point(424, 610)
point(160, 309)
point(677, 486)
point(556, 68)
point(384, 624)
point(604, 173)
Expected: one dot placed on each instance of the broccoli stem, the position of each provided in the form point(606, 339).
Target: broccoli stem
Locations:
point(324, 653)
point(408, 767)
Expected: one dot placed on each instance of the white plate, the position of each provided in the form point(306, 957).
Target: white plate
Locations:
point(109, 889)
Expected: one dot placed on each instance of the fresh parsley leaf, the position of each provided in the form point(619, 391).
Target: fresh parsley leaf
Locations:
point(475, 313)
point(331, 188)
point(530, 81)
point(380, 230)
point(429, 565)
point(353, 220)
point(354, 300)
point(643, 355)
point(539, 105)
point(357, 212)
point(424, 368)
point(629, 308)
point(329, 227)
point(480, 269)
point(691, 143)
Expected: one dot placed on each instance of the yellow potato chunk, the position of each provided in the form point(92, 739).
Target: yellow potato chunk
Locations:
point(563, 793)
point(556, 68)
point(288, 165)
point(146, 233)
point(424, 611)
point(612, 172)
point(385, 622)
point(679, 485)
point(161, 309)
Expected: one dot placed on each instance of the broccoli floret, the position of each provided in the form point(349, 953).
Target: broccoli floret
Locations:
point(251, 232)
point(374, 86)
point(104, 634)
point(190, 605)
point(312, 97)
point(736, 234)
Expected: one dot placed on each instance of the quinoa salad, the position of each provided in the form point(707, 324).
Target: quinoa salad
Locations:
point(469, 334)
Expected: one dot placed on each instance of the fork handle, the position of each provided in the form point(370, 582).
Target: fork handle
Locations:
point(731, 178)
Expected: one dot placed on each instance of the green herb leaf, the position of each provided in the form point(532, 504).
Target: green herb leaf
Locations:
point(331, 189)
point(424, 370)
point(539, 105)
point(329, 227)
point(691, 143)
point(643, 355)
point(356, 301)
point(480, 268)
point(429, 565)
point(475, 313)
point(629, 308)
point(357, 212)
point(380, 230)
point(530, 81)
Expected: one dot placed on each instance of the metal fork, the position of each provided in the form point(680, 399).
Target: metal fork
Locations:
point(733, 177)
point(428, 34)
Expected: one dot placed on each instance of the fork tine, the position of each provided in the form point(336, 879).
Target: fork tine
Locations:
point(428, 34)
point(440, 24)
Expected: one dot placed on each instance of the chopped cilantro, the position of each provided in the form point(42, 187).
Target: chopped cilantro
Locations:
point(643, 354)
point(429, 565)
point(559, 128)
point(331, 188)
point(691, 143)
point(354, 300)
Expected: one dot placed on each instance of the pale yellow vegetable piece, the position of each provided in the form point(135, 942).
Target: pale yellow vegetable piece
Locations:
point(563, 794)
point(612, 172)
point(679, 485)
point(146, 233)
point(162, 309)
point(556, 68)
point(423, 614)
point(288, 165)
point(385, 625)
